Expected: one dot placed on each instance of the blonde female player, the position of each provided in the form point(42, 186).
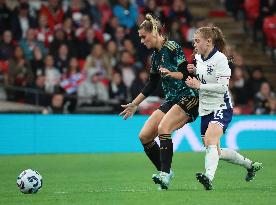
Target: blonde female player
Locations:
point(215, 107)
point(169, 65)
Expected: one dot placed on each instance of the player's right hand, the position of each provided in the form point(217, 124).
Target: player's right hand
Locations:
point(129, 110)
point(191, 68)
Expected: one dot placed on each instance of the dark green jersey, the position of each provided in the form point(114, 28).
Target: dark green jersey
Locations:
point(170, 57)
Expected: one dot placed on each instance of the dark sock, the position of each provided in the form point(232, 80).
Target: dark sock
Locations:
point(152, 150)
point(166, 152)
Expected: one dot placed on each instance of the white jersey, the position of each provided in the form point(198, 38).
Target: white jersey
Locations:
point(214, 74)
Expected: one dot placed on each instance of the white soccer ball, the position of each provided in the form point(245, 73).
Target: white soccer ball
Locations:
point(29, 181)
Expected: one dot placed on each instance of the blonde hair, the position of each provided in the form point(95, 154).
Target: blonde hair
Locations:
point(152, 25)
point(216, 35)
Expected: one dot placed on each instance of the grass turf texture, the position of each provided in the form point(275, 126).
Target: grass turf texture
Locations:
point(126, 179)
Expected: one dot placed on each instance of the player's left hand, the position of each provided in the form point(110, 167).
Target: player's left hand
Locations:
point(165, 72)
point(192, 82)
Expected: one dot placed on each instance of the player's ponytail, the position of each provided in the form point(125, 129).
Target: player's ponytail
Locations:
point(219, 39)
point(151, 24)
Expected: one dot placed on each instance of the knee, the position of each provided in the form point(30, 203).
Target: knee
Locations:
point(163, 129)
point(144, 138)
point(209, 140)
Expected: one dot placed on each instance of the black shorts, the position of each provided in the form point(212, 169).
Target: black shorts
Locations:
point(188, 104)
point(166, 106)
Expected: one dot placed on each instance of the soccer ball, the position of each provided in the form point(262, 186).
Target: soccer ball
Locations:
point(29, 181)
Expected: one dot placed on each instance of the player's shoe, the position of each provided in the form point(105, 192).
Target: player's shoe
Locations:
point(163, 179)
point(156, 178)
point(251, 173)
point(204, 180)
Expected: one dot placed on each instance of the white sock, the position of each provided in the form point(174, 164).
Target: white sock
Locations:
point(211, 161)
point(231, 156)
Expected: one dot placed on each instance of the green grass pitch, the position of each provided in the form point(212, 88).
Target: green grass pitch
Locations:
point(126, 179)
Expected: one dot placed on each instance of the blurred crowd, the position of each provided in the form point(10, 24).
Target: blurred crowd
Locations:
point(65, 55)
point(251, 90)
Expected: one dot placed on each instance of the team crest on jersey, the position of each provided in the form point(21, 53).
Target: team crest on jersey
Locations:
point(209, 70)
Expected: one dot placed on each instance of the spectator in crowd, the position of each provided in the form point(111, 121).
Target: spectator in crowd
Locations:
point(255, 81)
point(6, 46)
point(239, 87)
point(54, 13)
point(97, 60)
point(19, 74)
point(59, 39)
point(120, 34)
point(117, 91)
point(101, 12)
point(37, 95)
point(29, 43)
point(62, 59)
point(87, 42)
point(176, 33)
point(58, 106)
point(52, 75)
point(180, 11)
point(73, 77)
point(112, 53)
point(129, 47)
point(34, 6)
point(238, 60)
point(235, 8)
point(37, 62)
point(44, 34)
point(77, 8)
point(265, 100)
point(126, 12)
point(5, 17)
point(71, 81)
point(267, 8)
point(111, 26)
point(22, 22)
point(126, 67)
point(68, 28)
point(85, 24)
point(92, 91)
